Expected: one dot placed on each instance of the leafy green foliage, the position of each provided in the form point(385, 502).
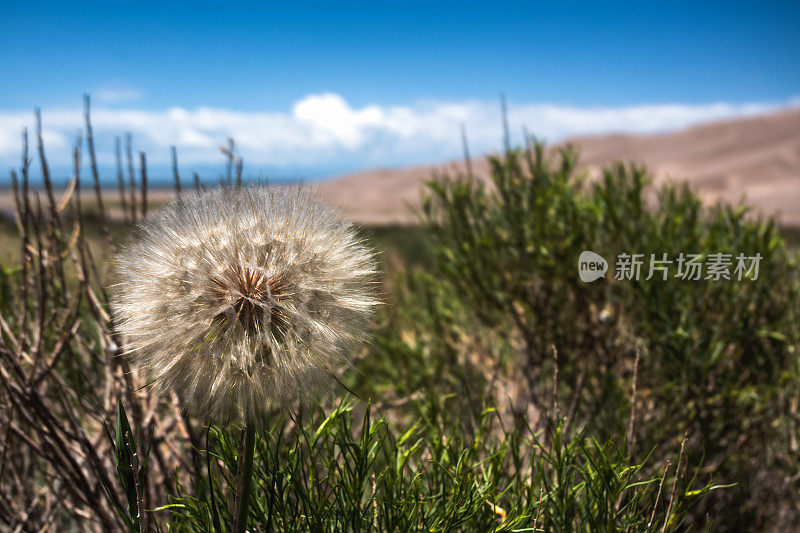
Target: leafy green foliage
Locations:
point(346, 471)
point(503, 295)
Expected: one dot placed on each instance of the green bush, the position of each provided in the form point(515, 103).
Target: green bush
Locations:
point(715, 360)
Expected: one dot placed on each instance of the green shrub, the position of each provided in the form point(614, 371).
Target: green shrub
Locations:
point(716, 359)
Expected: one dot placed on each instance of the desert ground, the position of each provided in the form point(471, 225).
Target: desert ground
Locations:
point(755, 158)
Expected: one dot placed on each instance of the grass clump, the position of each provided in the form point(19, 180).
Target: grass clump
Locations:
point(347, 471)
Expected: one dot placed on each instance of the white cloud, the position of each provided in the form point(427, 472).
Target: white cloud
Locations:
point(323, 131)
point(116, 95)
point(332, 121)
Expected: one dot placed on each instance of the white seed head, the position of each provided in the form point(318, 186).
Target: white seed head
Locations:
point(244, 299)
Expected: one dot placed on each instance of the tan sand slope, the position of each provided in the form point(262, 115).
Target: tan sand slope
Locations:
point(758, 158)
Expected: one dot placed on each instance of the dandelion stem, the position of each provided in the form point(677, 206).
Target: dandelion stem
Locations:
point(245, 479)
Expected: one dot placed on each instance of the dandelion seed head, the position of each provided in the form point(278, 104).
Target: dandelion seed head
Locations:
point(244, 299)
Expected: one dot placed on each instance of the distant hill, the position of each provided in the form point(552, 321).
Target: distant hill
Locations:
point(757, 157)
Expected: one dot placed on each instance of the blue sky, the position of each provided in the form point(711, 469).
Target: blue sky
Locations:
point(350, 86)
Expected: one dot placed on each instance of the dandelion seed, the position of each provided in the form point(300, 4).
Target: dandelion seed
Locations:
point(243, 299)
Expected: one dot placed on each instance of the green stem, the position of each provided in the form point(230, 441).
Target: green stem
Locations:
point(245, 479)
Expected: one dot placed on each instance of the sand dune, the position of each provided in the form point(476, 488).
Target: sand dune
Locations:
point(757, 158)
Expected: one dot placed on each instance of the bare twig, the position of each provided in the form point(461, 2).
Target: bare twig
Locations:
point(658, 497)
point(131, 175)
point(45, 167)
point(239, 171)
point(554, 402)
point(175, 174)
point(101, 209)
point(674, 485)
point(506, 133)
point(121, 179)
point(465, 148)
point(229, 165)
point(631, 434)
point(143, 166)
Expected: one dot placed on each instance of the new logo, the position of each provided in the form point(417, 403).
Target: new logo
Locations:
point(591, 266)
